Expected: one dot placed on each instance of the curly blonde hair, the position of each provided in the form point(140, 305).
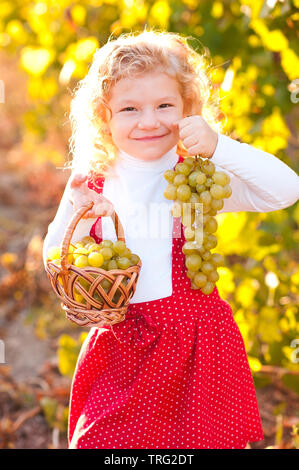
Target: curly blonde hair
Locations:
point(127, 56)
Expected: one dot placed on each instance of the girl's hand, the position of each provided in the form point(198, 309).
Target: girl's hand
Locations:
point(197, 136)
point(82, 195)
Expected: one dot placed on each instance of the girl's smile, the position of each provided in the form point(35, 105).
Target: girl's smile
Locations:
point(151, 138)
point(143, 111)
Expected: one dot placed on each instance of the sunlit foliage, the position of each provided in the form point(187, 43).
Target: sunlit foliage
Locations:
point(254, 48)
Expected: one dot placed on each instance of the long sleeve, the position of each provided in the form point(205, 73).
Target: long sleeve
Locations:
point(260, 182)
point(57, 227)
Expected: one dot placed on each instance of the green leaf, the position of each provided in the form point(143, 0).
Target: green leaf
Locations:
point(49, 406)
point(291, 381)
point(67, 354)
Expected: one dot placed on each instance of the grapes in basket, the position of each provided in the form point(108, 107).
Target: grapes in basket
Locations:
point(107, 255)
point(198, 192)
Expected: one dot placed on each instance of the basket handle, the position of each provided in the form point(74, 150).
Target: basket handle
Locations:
point(72, 225)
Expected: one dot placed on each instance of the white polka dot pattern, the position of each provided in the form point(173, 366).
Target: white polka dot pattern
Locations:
point(176, 376)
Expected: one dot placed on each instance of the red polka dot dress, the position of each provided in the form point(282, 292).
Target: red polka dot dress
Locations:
point(174, 376)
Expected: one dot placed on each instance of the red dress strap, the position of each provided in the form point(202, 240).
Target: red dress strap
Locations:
point(96, 230)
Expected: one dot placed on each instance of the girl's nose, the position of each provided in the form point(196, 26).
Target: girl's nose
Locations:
point(148, 121)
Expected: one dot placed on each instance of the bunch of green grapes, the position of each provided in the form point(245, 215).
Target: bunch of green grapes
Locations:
point(198, 190)
point(106, 255)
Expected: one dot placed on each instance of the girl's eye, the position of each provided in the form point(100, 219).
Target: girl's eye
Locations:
point(129, 108)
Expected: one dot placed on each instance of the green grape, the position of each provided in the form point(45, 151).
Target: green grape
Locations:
point(169, 175)
point(217, 191)
point(201, 250)
point(213, 276)
point(193, 262)
point(119, 246)
point(87, 239)
point(170, 192)
point(217, 204)
point(106, 244)
point(205, 237)
point(81, 261)
point(200, 178)
point(127, 253)
point(79, 245)
point(193, 285)
point(123, 263)
point(180, 179)
point(211, 242)
point(209, 182)
point(192, 179)
point(112, 264)
point(205, 197)
point(106, 284)
point(208, 288)
point(105, 265)
point(208, 167)
point(206, 209)
point(88, 245)
point(78, 252)
point(200, 188)
point(212, 212)
point(197, 162)
point(93, 247)
point(200, 279)
point(190, 274)
point(206, 255)
point(217, 259)
point(207, 267)
point(205, 218)
point(221, 178)
point(183, 168)
point(183, 192)
point(107, 253)
point(134, 259)
point(211, 225)
point(95, 259)
point(227, 191)
point(189, 161)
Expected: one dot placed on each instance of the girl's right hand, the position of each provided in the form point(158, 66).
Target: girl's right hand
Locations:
point(82, 195)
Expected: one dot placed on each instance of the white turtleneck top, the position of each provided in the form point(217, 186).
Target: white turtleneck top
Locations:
point(260, 182)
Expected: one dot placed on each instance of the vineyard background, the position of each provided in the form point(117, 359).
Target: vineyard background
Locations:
point(45, 48)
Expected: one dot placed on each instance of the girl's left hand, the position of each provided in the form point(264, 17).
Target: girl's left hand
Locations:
point(81, 195)
point(197, 136)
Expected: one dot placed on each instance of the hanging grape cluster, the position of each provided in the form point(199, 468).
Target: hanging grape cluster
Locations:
point(198, 190)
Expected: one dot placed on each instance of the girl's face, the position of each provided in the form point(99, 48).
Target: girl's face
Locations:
point(143, 109)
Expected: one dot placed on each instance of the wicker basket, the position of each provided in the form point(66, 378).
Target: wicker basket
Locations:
point(65, 279)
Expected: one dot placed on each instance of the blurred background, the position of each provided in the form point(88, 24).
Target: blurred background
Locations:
point(45, 48)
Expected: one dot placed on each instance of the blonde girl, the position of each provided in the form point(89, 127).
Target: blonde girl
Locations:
point(176, 374)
